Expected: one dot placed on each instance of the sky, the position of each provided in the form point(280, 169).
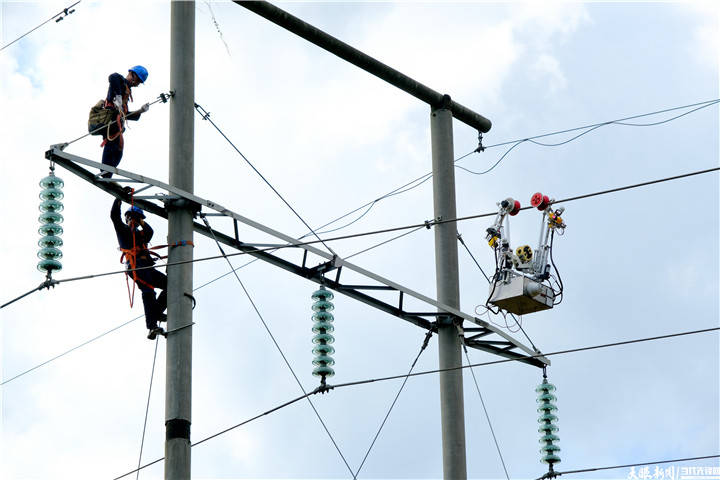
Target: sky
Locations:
point(330, 137)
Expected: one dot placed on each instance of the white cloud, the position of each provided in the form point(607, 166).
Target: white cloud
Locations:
point(548, 69)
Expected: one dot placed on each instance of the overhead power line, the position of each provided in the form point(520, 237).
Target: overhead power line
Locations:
point(515, 143)
point(487, 415)
point(56, 357)
point(427, 224)
point(506, 360)
point(392, 405)
point(404, 376)
point(277, 345)
point(65, 11)
point(657, 462)
point(147, 407)
point(587, 129)
point(206, 116)
point(267, 412)
point(618, 121)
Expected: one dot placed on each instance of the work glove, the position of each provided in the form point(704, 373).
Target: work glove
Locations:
point(117, 101)
point(145, 108)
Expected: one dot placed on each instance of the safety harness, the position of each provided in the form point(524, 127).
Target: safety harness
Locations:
point(130, 256)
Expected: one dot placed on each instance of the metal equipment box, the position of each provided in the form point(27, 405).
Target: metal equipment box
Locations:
point(522, 295)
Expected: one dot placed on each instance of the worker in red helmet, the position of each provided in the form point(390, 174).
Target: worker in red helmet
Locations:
point(108, 116)
point(133, 236)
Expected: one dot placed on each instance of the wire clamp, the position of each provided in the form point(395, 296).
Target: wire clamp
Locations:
point(48, 283)
point(426, 341)
point(323, 388)
point(66, 12)
point(428, 224)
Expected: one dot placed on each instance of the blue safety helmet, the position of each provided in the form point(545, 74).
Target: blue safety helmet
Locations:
point(140, 71)
point(135, 212)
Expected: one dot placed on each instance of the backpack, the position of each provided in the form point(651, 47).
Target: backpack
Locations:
point(100, 116)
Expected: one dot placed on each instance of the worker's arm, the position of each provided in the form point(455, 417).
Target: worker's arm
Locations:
point(115, 213)
point(117, 86)
point(147, 231)
point(134, 115)
point(122, 231)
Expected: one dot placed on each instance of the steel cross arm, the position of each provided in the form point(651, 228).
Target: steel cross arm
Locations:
point(369, 64)
point(317, 275)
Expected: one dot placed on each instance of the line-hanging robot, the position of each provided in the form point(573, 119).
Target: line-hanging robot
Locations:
point(523, 282)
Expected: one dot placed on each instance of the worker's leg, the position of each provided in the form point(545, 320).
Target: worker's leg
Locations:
point(112, 154)
point(158, 280)
point(149, 300)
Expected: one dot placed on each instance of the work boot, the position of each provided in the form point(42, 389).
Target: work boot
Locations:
point(154, 332)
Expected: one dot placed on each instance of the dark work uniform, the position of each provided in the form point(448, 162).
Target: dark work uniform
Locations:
point(113, 150)
point(144, 279)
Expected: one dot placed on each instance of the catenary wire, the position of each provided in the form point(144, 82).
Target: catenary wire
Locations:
point(396, 377)
point(69, 351)
point(705, 103)
point(487, 415)
point(516, 143)
point(206, 116)
point(147, 408)
point(617, 122)
point(383, 243)
point(559, 352)
point(53, 283)
point(65, 11)
point(400, 190)
point(426, 340)
point(115, 328)
point(657, 462)
point(194, 290)
point(267, 412)
point(277, 345)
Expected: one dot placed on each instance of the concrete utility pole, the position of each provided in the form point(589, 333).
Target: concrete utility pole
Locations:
point(448, 292)
point(178, 386)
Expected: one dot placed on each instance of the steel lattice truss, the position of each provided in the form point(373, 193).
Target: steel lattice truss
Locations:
point(478, 334)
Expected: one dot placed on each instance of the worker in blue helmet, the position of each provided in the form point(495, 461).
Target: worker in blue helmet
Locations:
point(133, 236)
point(112, 112)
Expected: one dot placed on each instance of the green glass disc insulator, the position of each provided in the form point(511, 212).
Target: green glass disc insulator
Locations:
point(323, 316)
point(322, 360)
point(49, 265)
point(322, 305)
point(323, 350)
point(51, 194)
point(50, 217)
point(548, 417)
point(50, 229)
point(545, 387)
point(323, 371)
point(323, 338)
point(50, 253)
point(546, 408)
point(549, 449)
point(50, 241)
point(550, 459)
point(323, 327)
point(549, 437)
point(322, 294)
point(51, 206)
point(51, 181)
point(548, 428)
point(546, 397)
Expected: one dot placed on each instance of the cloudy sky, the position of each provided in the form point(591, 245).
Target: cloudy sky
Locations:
point(330, 138)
